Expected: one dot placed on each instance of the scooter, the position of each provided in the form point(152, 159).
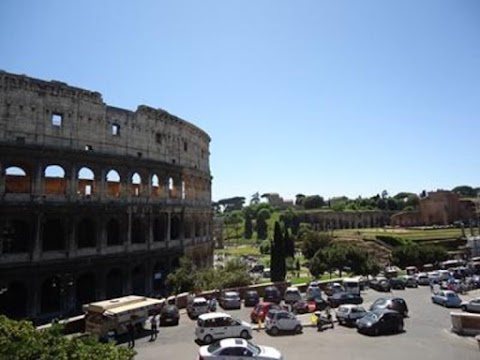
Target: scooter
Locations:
point(324, 321)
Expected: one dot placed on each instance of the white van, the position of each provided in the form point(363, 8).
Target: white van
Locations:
point(217, 325)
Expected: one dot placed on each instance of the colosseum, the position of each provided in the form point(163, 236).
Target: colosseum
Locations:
point(95, 201)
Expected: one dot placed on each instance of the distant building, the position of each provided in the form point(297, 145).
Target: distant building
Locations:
point(276, 200)
point(438, 208)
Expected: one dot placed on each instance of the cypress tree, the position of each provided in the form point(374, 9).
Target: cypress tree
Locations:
point(248, 230)
point(277, 264)
point(289, 244)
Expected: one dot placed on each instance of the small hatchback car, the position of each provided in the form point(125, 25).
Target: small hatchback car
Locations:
point(282, 320)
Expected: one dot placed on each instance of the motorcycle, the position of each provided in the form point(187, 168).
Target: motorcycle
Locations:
point(324, 321)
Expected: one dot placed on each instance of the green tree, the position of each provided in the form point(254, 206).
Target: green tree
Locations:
point(312, 241)
point(183, 278)
point(318, 264)
point(248, 229)
point(234, 220)
point(313, 202)
point(277, 255)
point(465, 191)
point(289, 244)
point(19, 340)
point(299, 199)
point(255, 199)
point(261, 223)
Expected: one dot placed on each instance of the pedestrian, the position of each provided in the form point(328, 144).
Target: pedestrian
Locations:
point(153, 328)
point(131, 335)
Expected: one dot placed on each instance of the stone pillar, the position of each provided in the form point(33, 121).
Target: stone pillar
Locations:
point(101, 234)
point(101, 284)
point(168, 236)
point(33, 301)
point(38, 179)
point(71, 245)
point(2, 180)
point(127, 285)
point(149, 225)
point(36, 250)
point(71, 178)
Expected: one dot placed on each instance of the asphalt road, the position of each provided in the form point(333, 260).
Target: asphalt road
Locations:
point(427, 336)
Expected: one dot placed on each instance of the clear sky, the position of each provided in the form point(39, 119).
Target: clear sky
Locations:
point(315, 97)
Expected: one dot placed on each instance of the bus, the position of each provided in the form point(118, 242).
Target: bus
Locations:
point(354, 285)
point(111, 317)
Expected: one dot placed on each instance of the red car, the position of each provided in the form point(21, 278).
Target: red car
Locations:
point(260, 311)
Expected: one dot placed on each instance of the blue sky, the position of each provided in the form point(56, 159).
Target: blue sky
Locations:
point(311, 96)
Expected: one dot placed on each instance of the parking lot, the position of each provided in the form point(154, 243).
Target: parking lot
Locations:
point(427, 336)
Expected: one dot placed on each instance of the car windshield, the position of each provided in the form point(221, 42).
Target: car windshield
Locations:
point(253, 348)
point(371, 316)
point(214, 347)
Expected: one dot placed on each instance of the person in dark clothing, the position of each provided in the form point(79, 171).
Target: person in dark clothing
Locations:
point(153, 328)
point(131, 335)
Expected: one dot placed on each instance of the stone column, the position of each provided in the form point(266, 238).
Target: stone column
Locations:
point(36, 251)
point(38, 179)
point(168, 236)
point(2, 180)
point(72, 182)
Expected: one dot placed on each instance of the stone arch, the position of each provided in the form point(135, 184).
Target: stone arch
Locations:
point(16, 236)
point(17, 180)
point(13, 302)
point(113, 184)
point(50, 296)
point(136, 184)
point(55, 181)
point(138, 233)
point(85, 290)
point(138, 280)
point(53, 235)
point(114, 287)
point(175, 227)
point(86, 233)
point(86, 182)
point(155, 183)
point(160, 227)
point(113, 233)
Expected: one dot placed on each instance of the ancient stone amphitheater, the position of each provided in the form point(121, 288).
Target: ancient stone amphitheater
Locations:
point(95, 201)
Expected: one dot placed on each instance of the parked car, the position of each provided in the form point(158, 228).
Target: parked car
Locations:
point(292, 295)
point(410, 281)
point(251, 298)
point(169, 315)
point(397, 304)
point(344, 298)
point(471, 306)
point(397, 283)
point(313, 290)
point(380, 322)
point(260, 311)
point(280, 321)
point(238, 348)
point(333, 288)
point(348, 314)
point(447, 298)
point(380, 285)
point(230, 300)
point(423, 279)
point(309, 306)
point(272, 294)
point(196, 306)
point(217, 325)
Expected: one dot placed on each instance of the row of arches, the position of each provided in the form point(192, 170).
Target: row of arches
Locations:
point(55, 233)
point(18, 180)
point(66, 293)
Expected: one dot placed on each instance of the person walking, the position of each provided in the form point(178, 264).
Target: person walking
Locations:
point(153, 328)
point(131, 335)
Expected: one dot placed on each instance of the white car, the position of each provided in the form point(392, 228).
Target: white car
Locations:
point(218, 325)
point(292, 295)
point(471, 306)
point(282, 320)
point(348, 314)
point(238, 349)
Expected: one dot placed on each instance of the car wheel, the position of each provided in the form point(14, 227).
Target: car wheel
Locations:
point(298, 329)
point(244, 334)
point(274, 331)
point(376, 332)
point(208, 339)
point(400, 327)
point(464, 308)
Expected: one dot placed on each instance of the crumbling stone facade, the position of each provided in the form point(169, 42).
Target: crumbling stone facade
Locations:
point(95, 201)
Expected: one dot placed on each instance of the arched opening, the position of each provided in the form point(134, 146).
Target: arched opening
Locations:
point(51, 295)
point(86, 182)
point(17, 181)
point(198, 228)
point(85, 290)
point(160, 228)
point(86, 233)
point(138, 231)
point(16, 236)
point(53, 235)
point(114, 284)
point(156, 191)
point(13, 300)
point(55, 182)
point(175, 227)
point(159, 275)
point(138, 280)
point(113, 184)
point(136, 184)
point(113, 233)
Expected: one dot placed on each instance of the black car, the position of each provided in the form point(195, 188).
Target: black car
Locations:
point(169, 315)
point(380, 285)
point(344, 298)
point(397, 304)
point(397, 283)
point(251, 298)
point(380, 322)
point(272, 294)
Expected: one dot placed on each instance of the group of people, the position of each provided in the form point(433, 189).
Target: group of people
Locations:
point(154, 324)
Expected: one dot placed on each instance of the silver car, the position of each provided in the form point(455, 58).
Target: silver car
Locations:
point(471, 306)
point(230, 300)
point(348, 314)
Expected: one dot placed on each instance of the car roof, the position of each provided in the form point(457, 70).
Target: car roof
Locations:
point(231, 342)
point(213, 315)
point(199, 299)
point(383, 311)
point(349, 306)
point(231, 293)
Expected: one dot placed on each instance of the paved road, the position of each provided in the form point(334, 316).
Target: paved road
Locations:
point(426, 336)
